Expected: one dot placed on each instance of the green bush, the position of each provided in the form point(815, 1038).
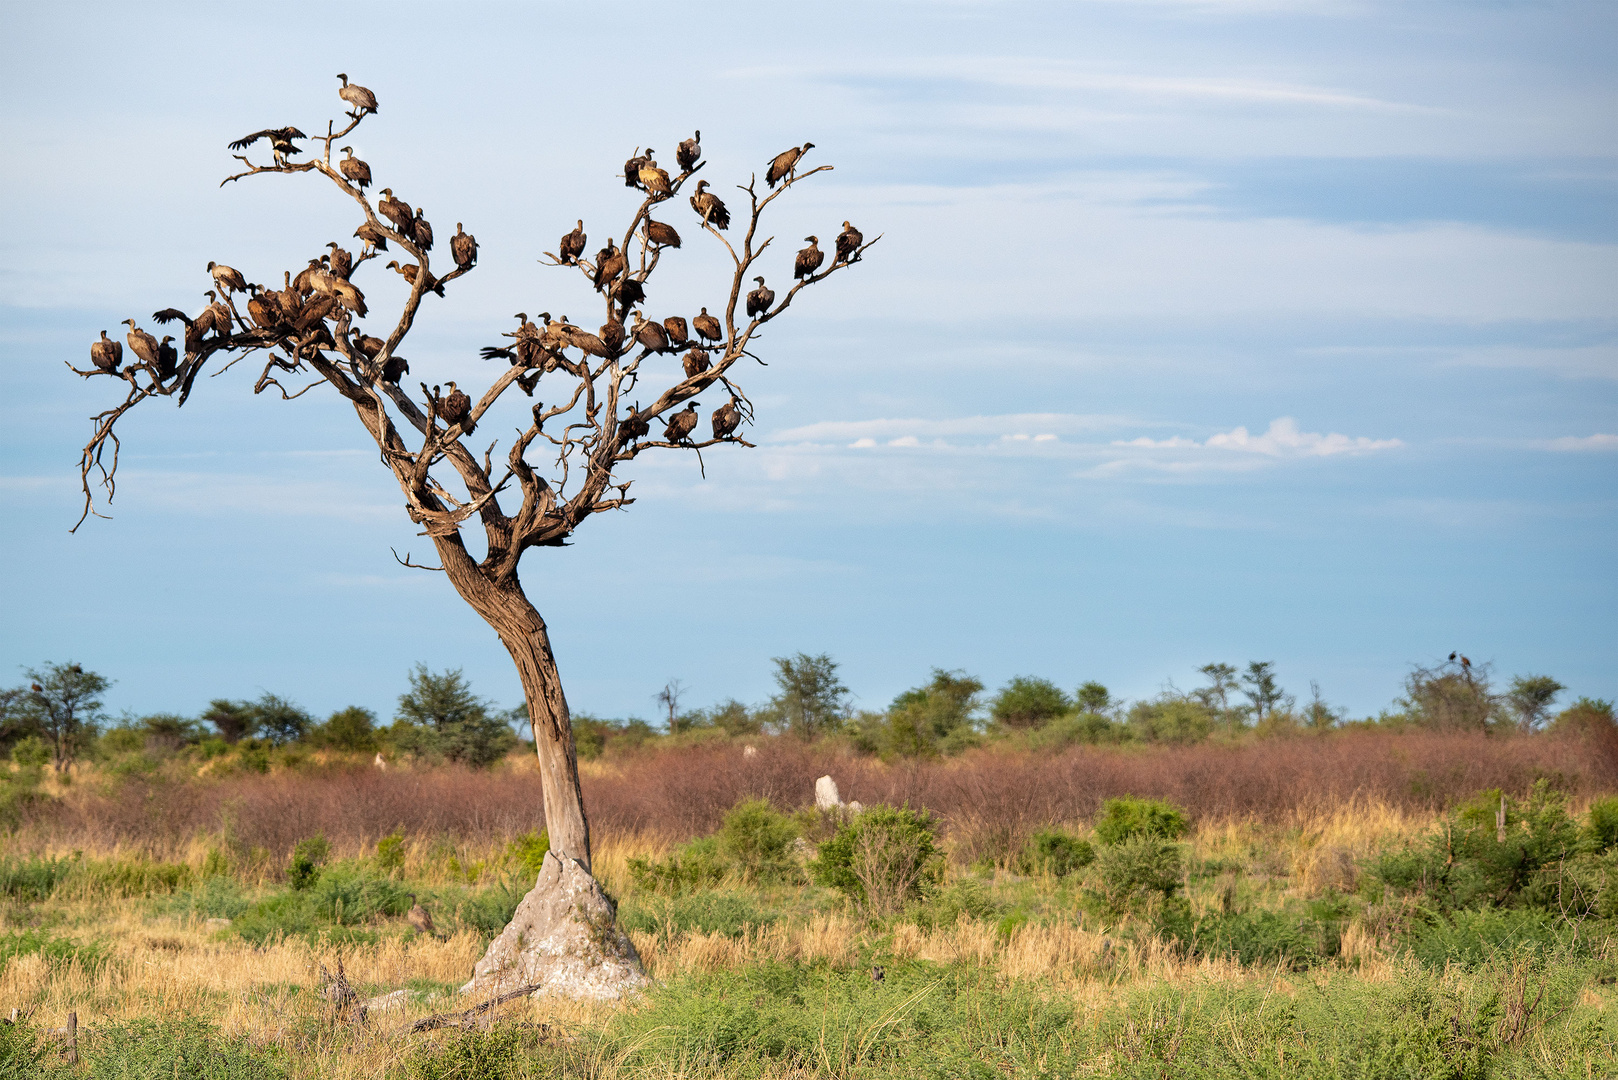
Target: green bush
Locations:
point(1474, 938)
point(56, 951)
point(1137, 869)
point(1171, 719)
point(693, 866)
point(1129, 818)
point(498, 1054)
point(1267, 938)
point(1601, 828)
point(756, 841)
point(34, 878)
point(1027, 702)
point(527, 851)
point(883, 859)
point(390, 852)
point(177, 1050)
point(212, 898)
point(970, 897)
point(1078, 729)
point(1055, 852)
point(704, 912)
point(307, 858)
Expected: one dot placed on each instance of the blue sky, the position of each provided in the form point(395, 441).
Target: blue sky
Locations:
point(1218, 330)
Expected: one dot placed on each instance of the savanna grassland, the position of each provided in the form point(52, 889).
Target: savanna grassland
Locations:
point(1359, 903)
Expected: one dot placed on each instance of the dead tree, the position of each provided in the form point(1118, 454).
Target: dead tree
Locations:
point(567, 458)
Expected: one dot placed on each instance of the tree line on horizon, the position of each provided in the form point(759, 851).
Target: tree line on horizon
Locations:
point(58, 716)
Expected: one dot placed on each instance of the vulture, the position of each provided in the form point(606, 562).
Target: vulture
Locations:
point(612, 334)
point(633, 165)
point(689, 152)
point(675, 325)
point(726, 419)
point(1465, 663)
point(227, 278)
point(707, 326)
point(262, 309)
point(528, 382)
point(809, 259)
point(395, 369)
point(463, 248)
point(1452, 657)
point(759, 300)
point(354, 169)
point(350, 297)
point(219, 314)
point(662, 235)
point(785, 162)
point(106, 354)
point(167, 359)
point(409, 271)
point(629, 293)
point(141, 343)
point(397, 211)
point(633, 425)
point(369, 346)
point(571, 246)
point(696, 362)
point(362, 99)
point(193, 331)
point(456, 408)
point(655, 180)
point(609, 264)
point(709, 208)
point(342, 263)
point(423, 230)
point(419, 919)
point(280, 140)
point(848, 242)
point(650, 334)
point(528, 338)
point(681, 423)
point(373, 236)
point(564, 333)
point(305, 281)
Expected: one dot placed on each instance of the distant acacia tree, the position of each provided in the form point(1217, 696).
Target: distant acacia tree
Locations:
point(585, 425)
point(1027, 701)
point(1263, 692)
point(811, 700)
point(440, 717)
point(1450, 697)
point(65, 703)
point(234, 720)
point(1530, 699)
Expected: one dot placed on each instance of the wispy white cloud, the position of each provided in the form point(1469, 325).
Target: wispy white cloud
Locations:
point(1283, 439)
point(1576, 443)
point(909, 431)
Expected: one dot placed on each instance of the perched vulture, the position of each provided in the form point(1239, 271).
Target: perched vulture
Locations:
point(528, 382)
point(141, 343)
point(528, 339)
point(662, 235)
point(168, 314)
point(809, 259)
point(227, 278)
point(696, 362)
point(609, 264)
point(633, 425)
point(571, 246)
point(689, 152)
point(650, 334)
point(707, 326)
point(612, 334)
point(167, 359)
point(262, 309)
point(342, 263)
point(583, 340)
point(106, 354)
point(785, 162)
point(456, 408)
point(354, 169)
point(280, 140)
point(304, 283)
point(369, 346)
point(463, 248)
point(409, 271)
point(423, 230)
point(655, 180)
point(362, 99)
point(726, 419)
point(759, 300)
point(681, 423)
point(397, 211)
point(675, 325)
point(632, 168)
point(709, 208)
point(395, 369)
point(349, 296)
point(848, 242)
point(219, 314)
point(628, 293)
point(372, 236)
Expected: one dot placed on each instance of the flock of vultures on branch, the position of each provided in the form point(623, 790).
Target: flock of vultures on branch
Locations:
point(310, 317)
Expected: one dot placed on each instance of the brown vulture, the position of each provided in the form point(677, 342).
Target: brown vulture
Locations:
point(675, 325)
point(227, 278)
point(726, 419)
point(463, 248)
point(342, 263)
point(369, 346)
point(681, 423)
point(349, 296)
point(280, 140)
point(262, 309)
point(167, 359)
point(141, 343)
point(193, 332)
point(571, 246)
point(650, 334)
point(632, 167)
point(219, 315)
point(655, 180)
point(612, 334)
point(409, 271)
point(395, 369)
point(628, 293)
point(848, 242)
point(707, 326)
point(305, 281)
point(528, 382)
point(354, 169)
point(709, 208)
point(633, 425)
point(362, 99)
point(456, 408)
point(785, 162)
point(106, 354)
point(809, 259)
point(689, 152)
point(609, 264)
point(372, 236)
point(696, 362)
point(662, 235)
point(759, 300)
point(397, 211)
point(423, 231)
